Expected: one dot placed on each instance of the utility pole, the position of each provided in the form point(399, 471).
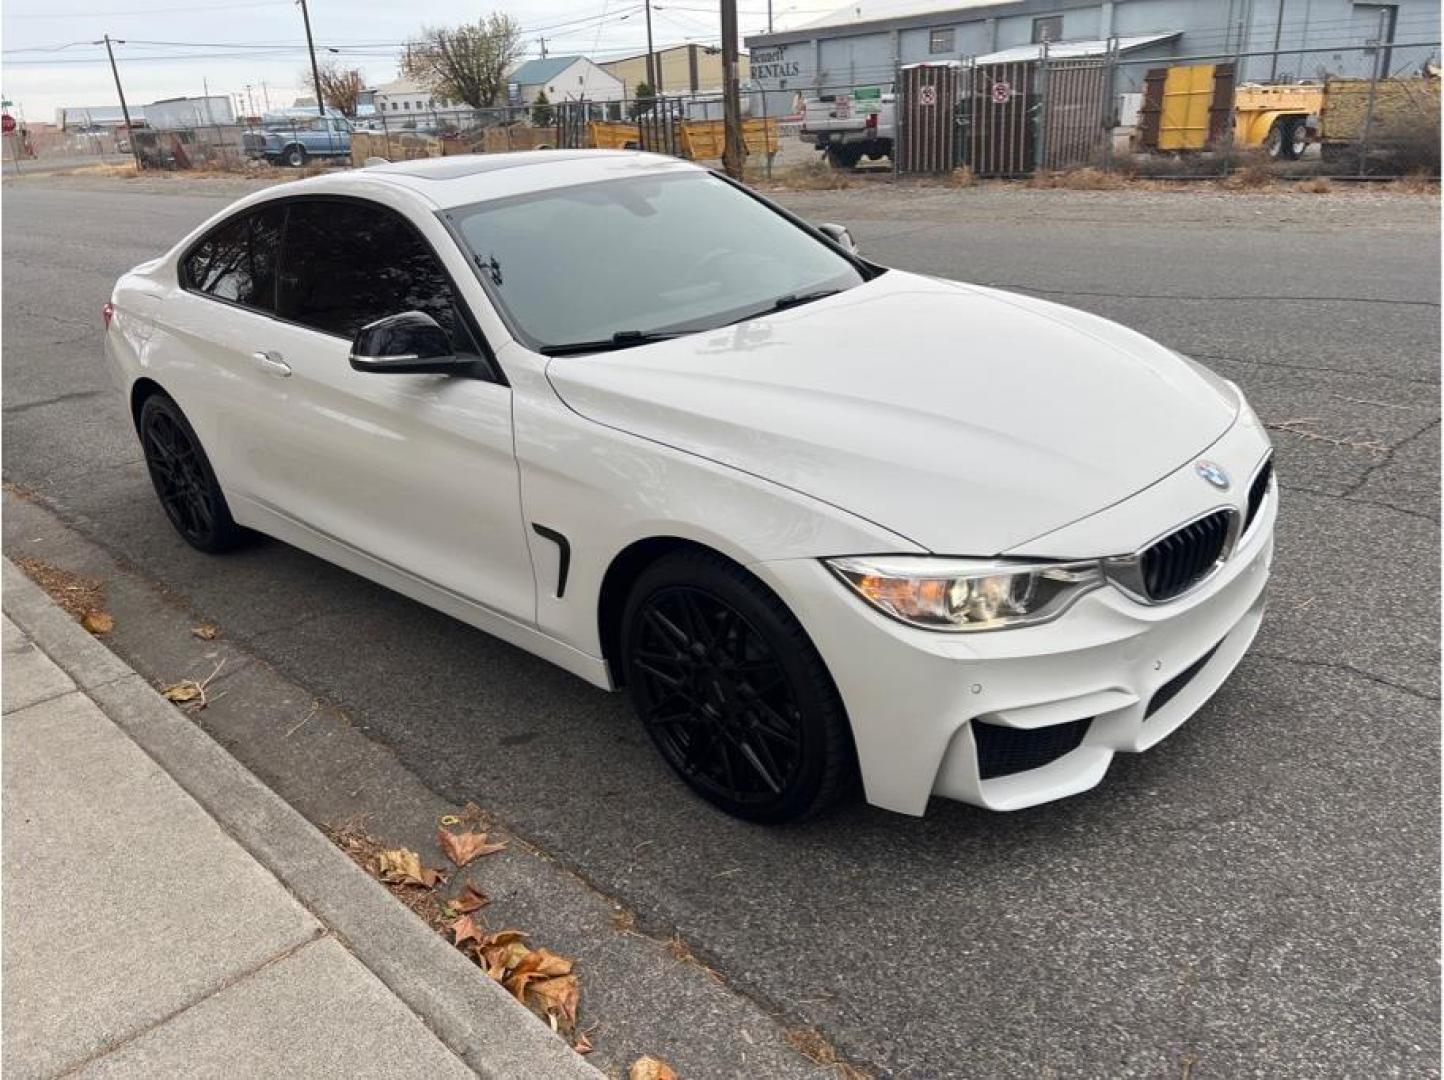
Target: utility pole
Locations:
point(543, 43)
point(315, 71)
point(769, 15)
point(124, 109)
point(733, 150)
point(654, 69)
point(266, 93)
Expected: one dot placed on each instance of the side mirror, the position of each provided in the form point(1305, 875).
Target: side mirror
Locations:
point(839, 235)
point(409, 343)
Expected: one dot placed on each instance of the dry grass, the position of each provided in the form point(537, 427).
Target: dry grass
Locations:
point(78, 595)
point(813, 176)
point(961, 177)
point(1253, 172)
point(104, 169)
point(1315, 185)
point(1087, 178)
point(1418, 182)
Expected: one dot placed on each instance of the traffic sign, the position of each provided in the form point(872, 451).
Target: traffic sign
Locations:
point(7, 123)
point(927, 95)
point(1001, 93)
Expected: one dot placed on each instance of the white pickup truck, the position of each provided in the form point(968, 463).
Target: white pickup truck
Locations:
point(850, 125)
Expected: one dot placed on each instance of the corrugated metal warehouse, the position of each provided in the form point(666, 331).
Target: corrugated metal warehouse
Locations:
point(867, 41)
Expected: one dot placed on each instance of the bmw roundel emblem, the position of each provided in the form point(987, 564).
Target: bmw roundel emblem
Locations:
point(1214, 474)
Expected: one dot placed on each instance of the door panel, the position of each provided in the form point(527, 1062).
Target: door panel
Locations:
point(415, 470)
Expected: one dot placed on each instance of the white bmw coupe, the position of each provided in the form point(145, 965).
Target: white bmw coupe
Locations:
point(826, 522)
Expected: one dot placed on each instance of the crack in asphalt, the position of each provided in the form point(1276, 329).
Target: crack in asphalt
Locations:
point(1313, 368)
point(1335, 665)
point(1388, 457)
point(1432, 518)
point(58, 399)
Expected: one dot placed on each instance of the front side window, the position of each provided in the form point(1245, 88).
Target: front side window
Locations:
point(350, 263)
point(940, 41)
point(237, 260)
point(643, 255)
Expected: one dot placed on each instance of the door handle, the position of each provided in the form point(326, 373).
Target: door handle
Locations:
point(270, 361)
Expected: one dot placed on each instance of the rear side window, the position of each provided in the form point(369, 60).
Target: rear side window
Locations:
point(350, 263)
point(236, 261)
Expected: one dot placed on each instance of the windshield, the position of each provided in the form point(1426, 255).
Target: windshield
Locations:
point(627, 259)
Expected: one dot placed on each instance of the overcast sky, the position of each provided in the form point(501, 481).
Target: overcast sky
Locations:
point(175, 48)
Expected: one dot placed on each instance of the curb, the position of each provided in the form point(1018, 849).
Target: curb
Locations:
point(476, 1018)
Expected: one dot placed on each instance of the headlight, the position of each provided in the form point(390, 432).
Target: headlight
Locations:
point(966, 594)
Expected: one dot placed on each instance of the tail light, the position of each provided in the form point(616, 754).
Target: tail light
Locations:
point(871, 121)
point(107, 313)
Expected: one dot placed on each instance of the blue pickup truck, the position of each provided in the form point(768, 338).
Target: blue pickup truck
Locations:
point(294, 139)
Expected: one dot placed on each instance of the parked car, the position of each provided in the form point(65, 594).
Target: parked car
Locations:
point(296, 139)
point(851, 125)
point(821, 519)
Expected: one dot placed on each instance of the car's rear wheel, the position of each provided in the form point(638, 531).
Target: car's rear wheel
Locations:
point(183, 479)
point(732, 692)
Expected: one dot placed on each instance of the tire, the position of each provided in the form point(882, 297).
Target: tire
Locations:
point(732, 692)
point(1274, 141)
point(183, 479)
point(1293, 138)
point(295, 156)
point(843, 157)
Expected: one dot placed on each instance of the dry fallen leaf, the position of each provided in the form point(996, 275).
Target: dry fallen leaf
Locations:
point(402, 866)
point(650, 1068)
point(206, 632)
point(559, 997)
point(582, 1045)
point(461, 848)
point(471, 899)
point(182, 692)
point(98, 622)
point(464, 929)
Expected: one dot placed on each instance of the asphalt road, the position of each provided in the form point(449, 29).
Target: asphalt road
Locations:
point(1258, 896)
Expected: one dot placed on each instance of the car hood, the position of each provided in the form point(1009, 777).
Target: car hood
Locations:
point(967, 420)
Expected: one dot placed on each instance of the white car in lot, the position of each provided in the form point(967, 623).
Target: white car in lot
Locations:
point(824, 521)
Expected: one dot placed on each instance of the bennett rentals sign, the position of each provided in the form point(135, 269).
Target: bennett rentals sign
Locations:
point(772, 64)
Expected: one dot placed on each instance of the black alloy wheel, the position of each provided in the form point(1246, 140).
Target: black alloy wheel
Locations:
point(183, 479)
point(732, 692)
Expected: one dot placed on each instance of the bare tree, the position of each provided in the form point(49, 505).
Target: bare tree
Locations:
point(468, 63)
point(340, 87)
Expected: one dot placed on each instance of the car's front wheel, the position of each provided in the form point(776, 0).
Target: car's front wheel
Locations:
point(183, 479)
point(732, 692)
point(296, 156)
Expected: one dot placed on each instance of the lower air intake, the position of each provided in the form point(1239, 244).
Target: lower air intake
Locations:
point(1003, 751)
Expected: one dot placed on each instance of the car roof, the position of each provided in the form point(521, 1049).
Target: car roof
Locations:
point(463, 179)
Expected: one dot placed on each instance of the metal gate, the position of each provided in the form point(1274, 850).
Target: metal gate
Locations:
point(1186, 107)
point(927, 124)
point(570, 118)
point(998, 118)
point(1077, 100)
point(657, 127)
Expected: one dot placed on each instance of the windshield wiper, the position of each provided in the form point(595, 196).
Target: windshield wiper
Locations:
point(622, 339)
point(791, 300)
point(782, 303)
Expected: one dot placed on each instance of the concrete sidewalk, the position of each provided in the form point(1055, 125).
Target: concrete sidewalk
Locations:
point(165, 914)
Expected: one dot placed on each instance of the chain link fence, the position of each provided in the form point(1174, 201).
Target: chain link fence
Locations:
point(1184, 117)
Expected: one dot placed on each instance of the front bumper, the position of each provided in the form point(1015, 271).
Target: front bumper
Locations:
point(1122, 673)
